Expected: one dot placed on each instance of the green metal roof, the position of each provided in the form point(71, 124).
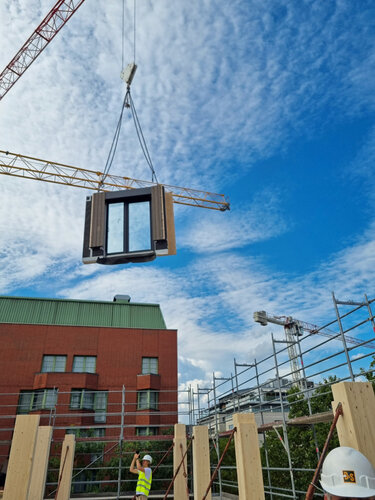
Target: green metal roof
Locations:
point(36, 311)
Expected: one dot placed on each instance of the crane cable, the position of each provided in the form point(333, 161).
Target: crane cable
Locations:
point(112, 150)
point(134, 26)
point(128, 103)
point(141, 138)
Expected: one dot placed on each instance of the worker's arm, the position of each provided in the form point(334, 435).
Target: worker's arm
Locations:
point(135, 461)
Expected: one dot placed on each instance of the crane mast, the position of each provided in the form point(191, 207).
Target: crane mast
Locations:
point(58, 16)
point(292, 330)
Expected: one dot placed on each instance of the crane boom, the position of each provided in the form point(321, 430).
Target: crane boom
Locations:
point(28, 167)
point(287, 322)
point(58, 16)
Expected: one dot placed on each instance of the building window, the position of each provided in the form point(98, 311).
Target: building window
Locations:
point(44, 399)
point(53, 364)
point(82, 399)
point(84, 364)
point(150, 365)
point(146, 431)
point(148, 400)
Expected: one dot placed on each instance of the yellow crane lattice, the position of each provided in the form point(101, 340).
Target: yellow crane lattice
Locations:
point(28, 167)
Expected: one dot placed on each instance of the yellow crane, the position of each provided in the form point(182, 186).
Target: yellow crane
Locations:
point(28, 167)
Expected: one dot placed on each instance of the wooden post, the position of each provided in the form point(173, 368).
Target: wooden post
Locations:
point(21, 457)
point(66, 468)
point(179, 487)
point(40, 463)
point(249, 467)
point(356, 427)
point(201, 462)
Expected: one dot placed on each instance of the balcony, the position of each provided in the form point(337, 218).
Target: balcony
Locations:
point(149, 381)
point(58, 379)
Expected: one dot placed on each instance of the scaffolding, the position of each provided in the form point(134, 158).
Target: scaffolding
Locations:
point(106, 440)
point(268, 388)
point(107, 436)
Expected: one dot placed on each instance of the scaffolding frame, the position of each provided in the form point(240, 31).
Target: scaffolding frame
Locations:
point(260, 386)
point(318, 358)
point(118, 423)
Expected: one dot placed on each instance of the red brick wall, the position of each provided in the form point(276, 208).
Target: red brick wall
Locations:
point(119, 360)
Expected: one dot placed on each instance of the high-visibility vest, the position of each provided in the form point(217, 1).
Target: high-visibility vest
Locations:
point(143, 484)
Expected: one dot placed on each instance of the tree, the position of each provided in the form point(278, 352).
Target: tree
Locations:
point(228, 473)
point(369, 374)
point(156, 449)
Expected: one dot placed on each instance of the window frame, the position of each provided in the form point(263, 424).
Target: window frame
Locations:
point(98, 405)
point(148, 404)
point(150, 431)
point(147, 370)
point(126, 202)
point(84, 357)
point(54, 356)
point(34, 396)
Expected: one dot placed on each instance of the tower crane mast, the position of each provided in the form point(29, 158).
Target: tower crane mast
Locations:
point(291, 329)
point(58, 16)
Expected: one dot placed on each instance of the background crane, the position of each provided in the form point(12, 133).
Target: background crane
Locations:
point(295, 328)
point(28, 167)
point(58, 16)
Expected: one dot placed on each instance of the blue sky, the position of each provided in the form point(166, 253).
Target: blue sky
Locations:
point(269, 102)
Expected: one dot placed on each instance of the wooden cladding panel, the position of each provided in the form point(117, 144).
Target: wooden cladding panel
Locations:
point(97, 222)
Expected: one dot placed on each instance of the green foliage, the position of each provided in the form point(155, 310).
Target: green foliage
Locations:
point(302, 440)
point(106, 466)
point(370, 375)
point(228, 470)
point(156, 449)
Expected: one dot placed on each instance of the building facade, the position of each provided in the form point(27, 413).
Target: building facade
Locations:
point(87, 367)
point(264, 401)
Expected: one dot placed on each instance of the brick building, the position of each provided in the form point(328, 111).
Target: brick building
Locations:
point(69, 360)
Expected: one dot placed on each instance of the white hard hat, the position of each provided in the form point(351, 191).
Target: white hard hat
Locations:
point(147, 457)
point(348, 473)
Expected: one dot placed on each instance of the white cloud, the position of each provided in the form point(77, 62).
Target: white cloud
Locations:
point(213, 232)
point(218, 87)
point(45, 235)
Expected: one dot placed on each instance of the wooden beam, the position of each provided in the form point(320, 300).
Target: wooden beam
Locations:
point(179, 449)
point(201, 462)
point(316, 418)
point(40, 463)
point(66, 468)
point(21, 457)
point(249, 467)
point(356, 427)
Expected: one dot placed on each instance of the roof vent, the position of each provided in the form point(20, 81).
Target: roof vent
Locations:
point(125, 299)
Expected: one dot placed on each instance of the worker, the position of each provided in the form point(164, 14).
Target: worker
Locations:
point(144, 475)
point(347, 473)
